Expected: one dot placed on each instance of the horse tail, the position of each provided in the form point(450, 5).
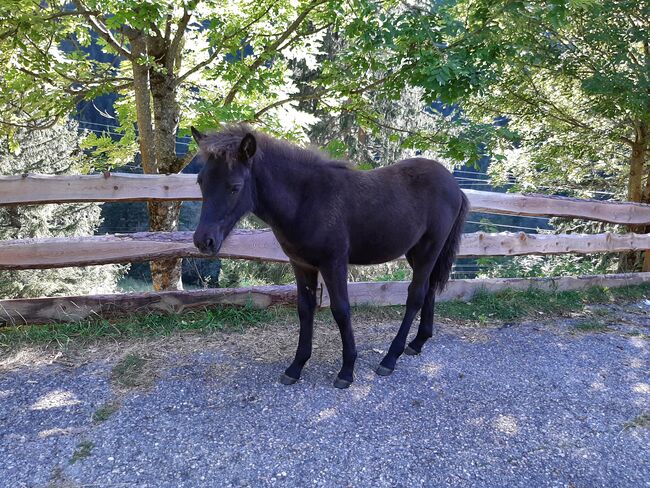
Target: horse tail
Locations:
point(442, 268)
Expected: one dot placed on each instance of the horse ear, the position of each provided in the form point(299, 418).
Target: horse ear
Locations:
point(196, 134)
point(247, 147)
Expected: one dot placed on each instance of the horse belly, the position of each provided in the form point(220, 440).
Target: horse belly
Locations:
point(380, 249)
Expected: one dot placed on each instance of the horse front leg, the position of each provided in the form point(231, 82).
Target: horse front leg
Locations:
point(335, 276)
point(306, 282)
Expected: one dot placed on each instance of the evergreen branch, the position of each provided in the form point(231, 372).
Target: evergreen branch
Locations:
point(301, 35)
point(277, 103)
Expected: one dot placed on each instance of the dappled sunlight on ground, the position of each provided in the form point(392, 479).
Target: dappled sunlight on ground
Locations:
point(598, 385)
point(57, 431)
point(476, 421)
point(641, 388)
point(361, 391)
point(325, 414)
point(55, 399)
point(637, 363)
point(527, 405)
point(638, 342)
point(431, 369)
point(506, 424)
point(26, 357)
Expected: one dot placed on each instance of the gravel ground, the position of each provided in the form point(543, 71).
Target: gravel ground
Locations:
point(535, 404)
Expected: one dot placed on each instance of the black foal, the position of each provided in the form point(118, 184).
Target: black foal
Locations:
point(327, 215)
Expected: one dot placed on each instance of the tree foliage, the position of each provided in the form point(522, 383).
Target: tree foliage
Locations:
point(365, 78)
point(573, 79)
point(223, 62)
point(179, 62)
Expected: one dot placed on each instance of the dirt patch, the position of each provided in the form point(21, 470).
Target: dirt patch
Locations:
point(129, 371)
point(219, 371)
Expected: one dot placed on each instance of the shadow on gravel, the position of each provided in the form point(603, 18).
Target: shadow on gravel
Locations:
point(534, 404)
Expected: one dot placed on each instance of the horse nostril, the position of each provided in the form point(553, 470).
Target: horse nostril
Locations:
point(209, 243)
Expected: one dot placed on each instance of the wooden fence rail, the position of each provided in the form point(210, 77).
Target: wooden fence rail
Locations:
point(67, 309)
point(38, 189)
point(261, 245)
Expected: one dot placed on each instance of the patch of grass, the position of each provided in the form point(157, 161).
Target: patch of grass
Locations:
point(105, 411)
point(640, 421)
point(600, 312)
point(141, 325)
point(591, 325)
point(83, 450)
point(510, 305)
point(399, 274)
point(128, 372)
point(505, 306)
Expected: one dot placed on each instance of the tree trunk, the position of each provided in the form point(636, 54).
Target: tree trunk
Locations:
point(157, 138)
point(143, 105)
point(164, 216)
point(165, 273)
point(631, 261)
point(645, 198)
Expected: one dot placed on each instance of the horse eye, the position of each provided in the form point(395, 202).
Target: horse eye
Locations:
point(234, 189)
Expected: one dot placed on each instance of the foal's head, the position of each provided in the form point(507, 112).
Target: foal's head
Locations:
point(225, 182)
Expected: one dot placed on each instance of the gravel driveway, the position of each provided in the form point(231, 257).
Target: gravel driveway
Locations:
point(524, 405)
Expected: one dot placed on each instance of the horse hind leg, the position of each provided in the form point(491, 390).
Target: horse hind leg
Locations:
point(423, 258)
point(425, 329)
point(437, 281)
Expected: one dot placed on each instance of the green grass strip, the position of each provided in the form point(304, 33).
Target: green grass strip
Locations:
point(505, 306)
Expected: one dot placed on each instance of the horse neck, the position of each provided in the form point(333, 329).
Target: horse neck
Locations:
point(278, 181)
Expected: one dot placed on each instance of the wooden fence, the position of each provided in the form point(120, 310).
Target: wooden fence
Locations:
point(261, 245)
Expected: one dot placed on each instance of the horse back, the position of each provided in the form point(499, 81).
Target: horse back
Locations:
point(391, 208)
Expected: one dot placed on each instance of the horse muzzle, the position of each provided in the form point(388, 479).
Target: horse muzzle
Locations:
point(208, 242)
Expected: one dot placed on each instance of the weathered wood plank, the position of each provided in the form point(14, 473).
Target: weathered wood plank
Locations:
point(554, 206)
point(513, 244)
point(68, 309)
point(394, 292)
point(33, 189)
point(261, 245)
point(106, 187)
point(74, 308)
point(57, 252)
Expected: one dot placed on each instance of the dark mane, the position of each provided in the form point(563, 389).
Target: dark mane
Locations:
point(228, 139)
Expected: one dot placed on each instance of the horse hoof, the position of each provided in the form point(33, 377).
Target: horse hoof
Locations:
point(287, 380)
point(383, 370)
point(341, 384)
point(409, 351)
